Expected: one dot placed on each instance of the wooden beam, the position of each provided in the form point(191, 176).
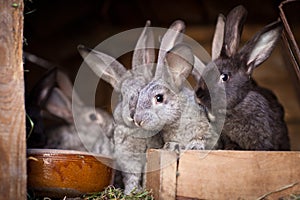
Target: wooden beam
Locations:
point(12, 112)
point(161, 174)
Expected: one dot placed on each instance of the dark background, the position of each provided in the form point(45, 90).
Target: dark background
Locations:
point(54, 29)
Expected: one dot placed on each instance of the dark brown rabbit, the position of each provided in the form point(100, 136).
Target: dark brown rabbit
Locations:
point(254, 117)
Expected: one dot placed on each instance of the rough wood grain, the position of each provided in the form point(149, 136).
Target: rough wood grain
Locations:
point(224, 175)
point(238, 174)
point(161, 174)
point(12, 112)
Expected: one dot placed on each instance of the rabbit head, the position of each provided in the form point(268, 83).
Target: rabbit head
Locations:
point(126, 83)
point(93, 126)
point(159, 102)
point(233, 68)
point(129, 83)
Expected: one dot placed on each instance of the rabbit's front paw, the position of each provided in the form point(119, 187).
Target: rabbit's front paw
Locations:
point(131, 183)
point(174, 146)
point(196, 145)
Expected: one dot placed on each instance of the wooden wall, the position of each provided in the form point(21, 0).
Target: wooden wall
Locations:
point(12, 112)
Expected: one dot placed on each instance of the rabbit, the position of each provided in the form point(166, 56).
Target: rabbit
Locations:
point(93, 130)
point(254, 117)
point(50, 99)
point(131, 142)
point(167, 104)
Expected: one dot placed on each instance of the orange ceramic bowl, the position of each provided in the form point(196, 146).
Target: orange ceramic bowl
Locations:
point(60, 173)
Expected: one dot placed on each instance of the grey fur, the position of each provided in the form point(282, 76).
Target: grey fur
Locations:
point(131, 142)
point(254, 117)
point(167, 104)
point(92, 130)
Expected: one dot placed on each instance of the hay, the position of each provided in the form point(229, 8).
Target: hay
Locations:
point(112, 193)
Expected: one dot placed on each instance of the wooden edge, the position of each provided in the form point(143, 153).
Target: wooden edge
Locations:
point(12, 110)
point(238, 175)
point(161, 173)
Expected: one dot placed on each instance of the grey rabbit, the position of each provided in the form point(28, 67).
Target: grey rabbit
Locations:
point(131, 142)
point(50, 99)
point(254, 117)
point(169, 105)
point(91, 131)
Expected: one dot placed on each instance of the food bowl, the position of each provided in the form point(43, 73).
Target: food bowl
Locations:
point(59, 173)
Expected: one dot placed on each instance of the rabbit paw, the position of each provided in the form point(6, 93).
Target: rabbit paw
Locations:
point(131, 183)
point(174, 146)
point(196, 145)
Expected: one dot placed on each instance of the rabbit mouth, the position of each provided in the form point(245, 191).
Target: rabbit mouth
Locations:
point(139, 123)
point(147, 125)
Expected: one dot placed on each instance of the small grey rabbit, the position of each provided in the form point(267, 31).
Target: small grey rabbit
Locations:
point(52, 97)
point(254, 117)
point(92, 130)
point(167, 104)
point(130, 142)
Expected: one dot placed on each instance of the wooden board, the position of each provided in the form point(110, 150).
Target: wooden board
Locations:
point(237, 174)
point(12, 112)
point(231, 175)
point(161, 174)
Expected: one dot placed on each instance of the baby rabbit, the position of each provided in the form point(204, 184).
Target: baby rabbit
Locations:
point(167, 104)
point(92, 129)
point(254, 117)
point(50, 99)
point(131, 142)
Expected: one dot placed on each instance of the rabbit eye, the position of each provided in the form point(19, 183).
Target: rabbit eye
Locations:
point(224, 77)
point(159, 98)
point(93, 117)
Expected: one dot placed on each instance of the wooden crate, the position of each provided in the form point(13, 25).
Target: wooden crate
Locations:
point(223, 174)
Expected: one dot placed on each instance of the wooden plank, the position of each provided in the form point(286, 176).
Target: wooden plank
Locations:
point(12, 112)
point(161, 174)
point(294, 133)
point(238, 174)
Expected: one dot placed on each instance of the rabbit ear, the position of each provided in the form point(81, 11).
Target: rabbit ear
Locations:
point(198, 68)
point(233, 29)
point(66, 87)
point(103, 65)
point(59, 105)
point(42, 89)
point(180, 62)
point(144, 52)
point(218, 37)
point(172, 37)
point(260, 47)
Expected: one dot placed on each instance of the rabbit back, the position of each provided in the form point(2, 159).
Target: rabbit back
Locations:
point(257, 123)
